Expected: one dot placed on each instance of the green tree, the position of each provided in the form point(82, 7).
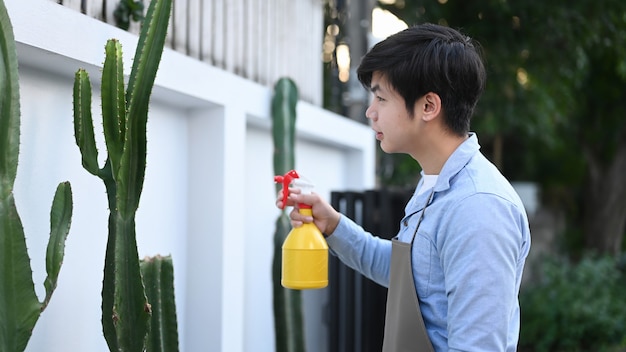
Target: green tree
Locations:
point(555, 100)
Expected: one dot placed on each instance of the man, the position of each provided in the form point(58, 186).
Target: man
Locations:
point(455, 267)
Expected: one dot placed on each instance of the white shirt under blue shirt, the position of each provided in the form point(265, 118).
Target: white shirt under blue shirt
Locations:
point(468, 255)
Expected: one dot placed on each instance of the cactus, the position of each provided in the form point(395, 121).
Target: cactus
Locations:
point(288, 317)
point(19, 306)
point(125, 308)
point(158, 275)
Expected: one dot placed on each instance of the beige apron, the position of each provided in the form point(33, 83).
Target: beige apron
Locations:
point(404, 325)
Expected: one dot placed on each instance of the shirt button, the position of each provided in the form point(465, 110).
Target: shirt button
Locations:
point(406, 222)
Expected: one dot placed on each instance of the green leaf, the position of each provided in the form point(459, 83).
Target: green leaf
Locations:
point(158, 275)
point(83, 122)
point(60, 219)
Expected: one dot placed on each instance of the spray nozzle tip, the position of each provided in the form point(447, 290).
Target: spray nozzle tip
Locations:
point(305, 185)
point(286, 180)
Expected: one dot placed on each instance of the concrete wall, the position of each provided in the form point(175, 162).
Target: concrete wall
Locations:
point(208, 198)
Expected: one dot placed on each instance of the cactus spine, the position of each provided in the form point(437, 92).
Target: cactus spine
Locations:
point(287, 303)
point(19, 306)
point(125, 308)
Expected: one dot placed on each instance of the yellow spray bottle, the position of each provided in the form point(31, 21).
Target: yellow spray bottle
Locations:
point(305, 251)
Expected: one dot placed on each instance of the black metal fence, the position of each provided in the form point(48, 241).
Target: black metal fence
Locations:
point(357, 304)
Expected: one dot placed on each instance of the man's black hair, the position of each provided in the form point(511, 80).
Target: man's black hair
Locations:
point(430, 58)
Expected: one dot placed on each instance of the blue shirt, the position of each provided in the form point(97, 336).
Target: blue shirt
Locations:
point(468, 255)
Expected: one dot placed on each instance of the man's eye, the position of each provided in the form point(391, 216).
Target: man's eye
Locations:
point(379, 98)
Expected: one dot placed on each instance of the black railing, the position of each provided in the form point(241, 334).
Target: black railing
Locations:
point(357, 304)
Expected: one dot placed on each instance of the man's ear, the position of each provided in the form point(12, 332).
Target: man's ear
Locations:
point(430, 106)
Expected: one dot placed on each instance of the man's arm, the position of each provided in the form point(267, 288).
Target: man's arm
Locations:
point(360, 250)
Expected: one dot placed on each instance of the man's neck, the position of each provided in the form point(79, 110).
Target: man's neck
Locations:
point(439, 150)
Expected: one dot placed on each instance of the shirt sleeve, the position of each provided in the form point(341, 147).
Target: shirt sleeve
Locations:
point(480, 246)
point(360, 250)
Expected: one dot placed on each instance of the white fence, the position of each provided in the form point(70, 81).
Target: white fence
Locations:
point(208, 196)
point(260, 40)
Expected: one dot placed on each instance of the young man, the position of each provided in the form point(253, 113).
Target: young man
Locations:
point(456, 264)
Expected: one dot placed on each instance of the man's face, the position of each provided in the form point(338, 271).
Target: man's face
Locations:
point(396, 130)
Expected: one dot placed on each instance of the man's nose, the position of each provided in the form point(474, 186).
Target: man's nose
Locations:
point(370, 113)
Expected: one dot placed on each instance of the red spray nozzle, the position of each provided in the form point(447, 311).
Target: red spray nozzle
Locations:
point(286, 181)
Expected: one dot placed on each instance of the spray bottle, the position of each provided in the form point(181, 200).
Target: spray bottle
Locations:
point(305, 251)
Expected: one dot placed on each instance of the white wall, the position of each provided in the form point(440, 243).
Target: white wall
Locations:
point(208, 197)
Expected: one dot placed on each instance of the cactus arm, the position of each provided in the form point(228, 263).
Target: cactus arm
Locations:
point(60, 219)
point(158, 275)
point(113, 102)
point(9, 105)
point(288, 319)
point(148, 54)
point(19, 306)
point(284, 125)
point(84, 135)
point(141, 81)
point(83, 122)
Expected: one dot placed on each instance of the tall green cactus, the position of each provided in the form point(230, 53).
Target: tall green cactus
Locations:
point(125, 308)
point(19, 306)
point(288, 317)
